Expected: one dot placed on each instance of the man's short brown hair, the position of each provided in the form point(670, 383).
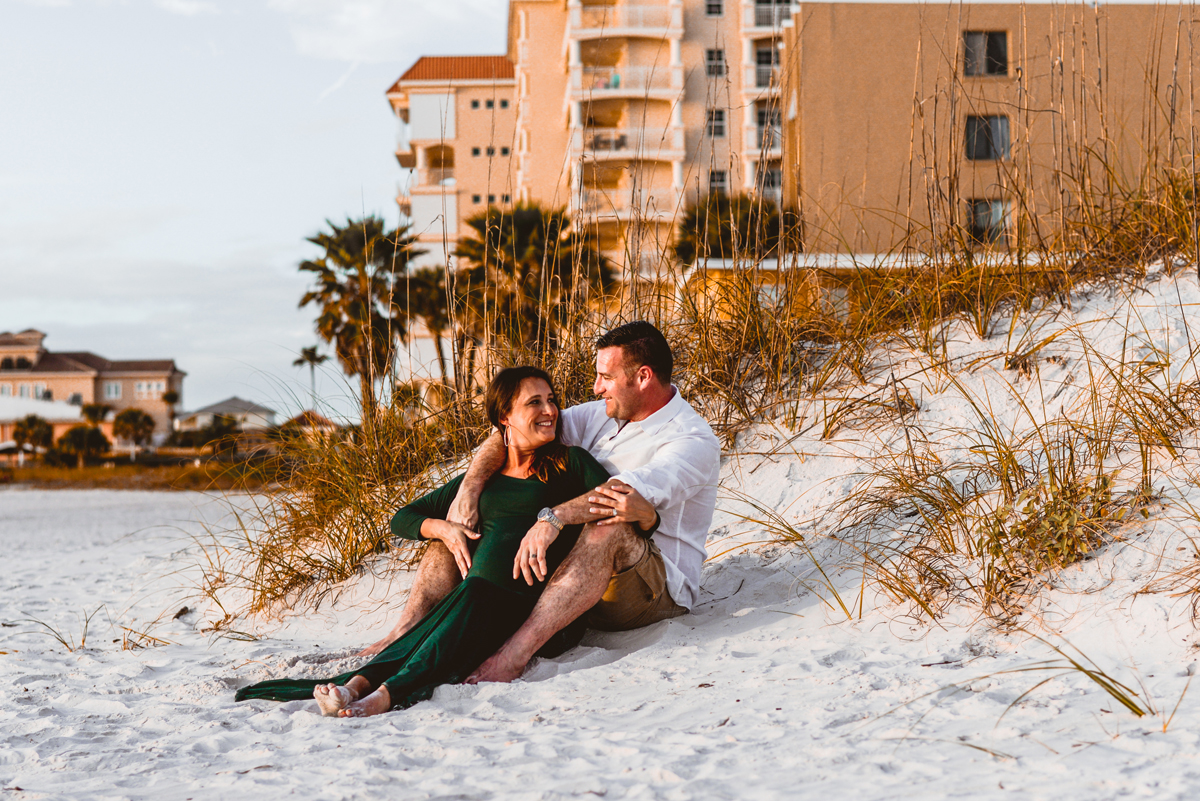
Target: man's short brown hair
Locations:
point(642, 344)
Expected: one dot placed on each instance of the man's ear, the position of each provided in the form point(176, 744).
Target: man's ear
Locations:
point(644, 375)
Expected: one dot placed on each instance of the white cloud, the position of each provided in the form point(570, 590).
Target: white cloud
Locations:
point(186, 8)
point(386, 30)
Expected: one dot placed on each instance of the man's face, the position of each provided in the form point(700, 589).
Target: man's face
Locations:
point(620, 390)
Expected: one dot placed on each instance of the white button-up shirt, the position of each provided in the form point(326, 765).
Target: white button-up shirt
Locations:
point(674, 460)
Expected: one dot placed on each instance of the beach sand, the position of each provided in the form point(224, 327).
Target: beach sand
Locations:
point(766, 691)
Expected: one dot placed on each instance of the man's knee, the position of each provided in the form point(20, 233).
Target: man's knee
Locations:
point(617, 534)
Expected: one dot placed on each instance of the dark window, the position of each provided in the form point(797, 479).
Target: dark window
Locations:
point(985, 53)
point(23, 363)
point(476, 198)
point(714, 62)
point(76, 399)
point(714, 8)
point(715, 124)
point(503, 104)
point(504, 151)
point(506, 198)
point(474, 104)
point(475, 151)
point(6, 363)
point(770, 128)
point(718, 181)
point(988, 221)
point(491, 198)
point(491, 151)
point(987, 138)
point(490, 104)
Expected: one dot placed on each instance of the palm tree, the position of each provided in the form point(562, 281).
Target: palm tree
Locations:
point(134, 426)
point(355, 283)
point(84, 442)
point(725, 227)
point(525, 273)
point(95, 413)
point(31, 430)
point(309, 356)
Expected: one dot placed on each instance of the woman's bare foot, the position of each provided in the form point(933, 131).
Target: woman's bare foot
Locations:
point(376, 703)
point(333, 699)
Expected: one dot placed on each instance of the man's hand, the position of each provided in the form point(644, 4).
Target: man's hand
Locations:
point(618, 502)
point(531, 556)
point(454, 537)
point(464, 510)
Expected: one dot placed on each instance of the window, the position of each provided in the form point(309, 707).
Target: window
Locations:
point(23, 390)
point(475, 151)
point(476, 198)
point(40, 392)
point(988, 220)
point(985, 53)
point(504, 151)
point(491, 198)
point(491, 151)
point(23, 363)
point(112, 390)
point(714, 8)
point(714, 126)
point(987, 138)
point(503, 104)
point(6, 363)
point(474, 104)
point(770, 128)
point(766, 63)
point(76, 399)
point(718, 181)
point(714, 63)
point(149, 390)
point(490, 104)
point(5, 390)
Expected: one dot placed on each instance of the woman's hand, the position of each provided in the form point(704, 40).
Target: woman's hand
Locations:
point(620, 503)
point(531, 556)
point(455, 537)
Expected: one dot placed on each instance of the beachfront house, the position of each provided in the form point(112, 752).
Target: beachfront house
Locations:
point(246, 415)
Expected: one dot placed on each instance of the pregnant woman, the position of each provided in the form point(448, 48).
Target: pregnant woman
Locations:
point(475, 619)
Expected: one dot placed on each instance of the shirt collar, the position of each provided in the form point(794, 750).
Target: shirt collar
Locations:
point(666, 414)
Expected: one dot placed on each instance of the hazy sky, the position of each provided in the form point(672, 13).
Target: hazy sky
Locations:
point(162, 161)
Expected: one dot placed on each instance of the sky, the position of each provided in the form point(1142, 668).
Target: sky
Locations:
point(163, 161)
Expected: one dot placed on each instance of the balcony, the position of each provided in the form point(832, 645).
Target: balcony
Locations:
point(769, 140)
point(659, 83)
point(653, 21)
point(623, 144)
point(622, 204)
point(404, 201)
point(766, 17)
point(434, 176)
point(762, 79)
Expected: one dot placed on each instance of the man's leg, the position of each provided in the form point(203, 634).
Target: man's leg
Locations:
point(579, 582)
point(436, 576)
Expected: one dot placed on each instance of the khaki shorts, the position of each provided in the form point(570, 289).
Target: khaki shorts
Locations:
point(636, 596)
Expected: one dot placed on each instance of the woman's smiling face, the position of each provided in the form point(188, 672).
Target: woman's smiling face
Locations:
point(532, 422)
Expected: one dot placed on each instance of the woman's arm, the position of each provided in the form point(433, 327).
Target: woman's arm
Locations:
point(424, 519)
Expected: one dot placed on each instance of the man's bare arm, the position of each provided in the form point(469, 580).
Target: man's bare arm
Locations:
point(530, 562)
point(464, 510)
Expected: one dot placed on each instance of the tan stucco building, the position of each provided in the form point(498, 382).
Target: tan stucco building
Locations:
point(28, 370)
point(883, 125)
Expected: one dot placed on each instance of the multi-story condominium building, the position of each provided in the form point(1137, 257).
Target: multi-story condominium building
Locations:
point(986, 121)
point(879, 124)
point(457, 138)
point(28, 370)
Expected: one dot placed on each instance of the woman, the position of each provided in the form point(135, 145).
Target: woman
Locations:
point(475, 619)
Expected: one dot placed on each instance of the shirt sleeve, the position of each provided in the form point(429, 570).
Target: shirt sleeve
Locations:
point(680, 469)
point(574, 421)
point(406, 523)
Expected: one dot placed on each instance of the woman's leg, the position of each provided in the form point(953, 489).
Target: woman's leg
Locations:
point(376, 703)
point(333, 699)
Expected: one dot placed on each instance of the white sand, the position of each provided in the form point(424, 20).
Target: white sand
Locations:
point(763, 692)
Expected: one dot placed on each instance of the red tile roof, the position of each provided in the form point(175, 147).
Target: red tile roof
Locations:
point(459, 68)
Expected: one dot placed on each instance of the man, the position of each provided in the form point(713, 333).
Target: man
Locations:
point(639, 557)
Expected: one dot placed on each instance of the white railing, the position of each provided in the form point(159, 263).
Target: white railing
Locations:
point(435, 176)
point(617, 80)
point(768, 16)
point(623, 202)
point(765, 75)
point(625, 141)
point(617, 17)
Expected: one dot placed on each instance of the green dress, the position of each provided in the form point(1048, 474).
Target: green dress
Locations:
point(474, 620)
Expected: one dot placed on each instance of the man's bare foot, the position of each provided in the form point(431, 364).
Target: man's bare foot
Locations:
point(376, 703)
point(333, 699)
point(376, 647)
point(498, 667)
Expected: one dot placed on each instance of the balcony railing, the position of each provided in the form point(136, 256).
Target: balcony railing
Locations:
point(620, 80)
point(770, 16)
point(623, 203)
point(435, 176)
point(621, 17)
point(626, 142)
point(765, 75)
point(769, 137)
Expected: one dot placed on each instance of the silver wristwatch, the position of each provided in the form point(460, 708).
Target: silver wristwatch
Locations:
point(547, 515)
